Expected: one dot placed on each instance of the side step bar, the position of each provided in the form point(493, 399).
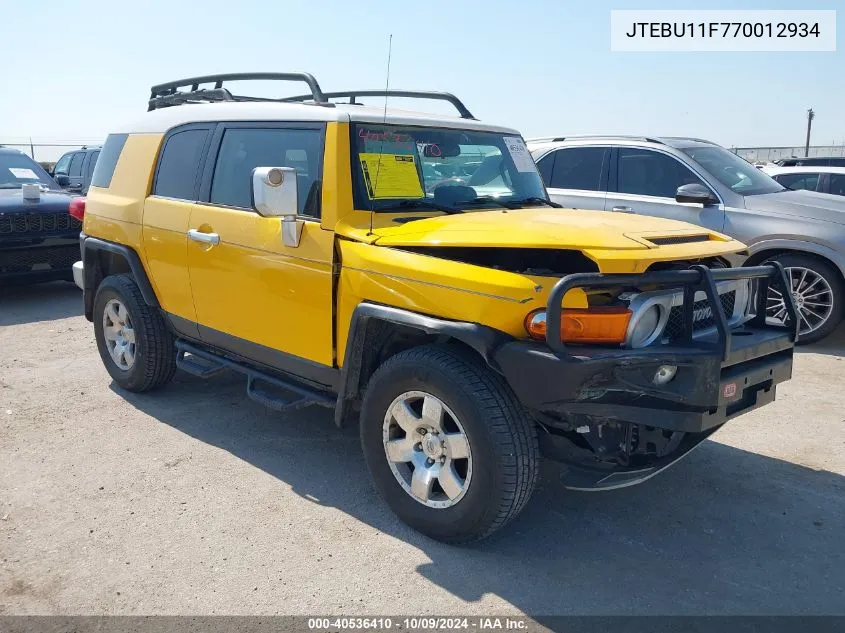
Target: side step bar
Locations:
point(266, 389)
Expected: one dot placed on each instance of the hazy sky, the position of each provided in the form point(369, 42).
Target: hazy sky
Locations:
point(74, 70)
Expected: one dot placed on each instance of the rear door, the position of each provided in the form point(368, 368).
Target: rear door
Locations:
point(167, 212)
point(644, 181)
point(89, 169)
point(576, 177)
point(76, 172)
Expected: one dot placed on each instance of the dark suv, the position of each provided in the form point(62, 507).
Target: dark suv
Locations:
point(73, 171)
point(815, 161)
point(39, 241)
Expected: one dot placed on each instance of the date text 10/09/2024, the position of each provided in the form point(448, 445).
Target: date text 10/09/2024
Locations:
point(425, 623)
point(722, 29)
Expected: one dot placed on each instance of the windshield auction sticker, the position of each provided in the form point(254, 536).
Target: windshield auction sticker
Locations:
point(718, 30)
point(391, 176)
point(22, 173)
point(519, 153)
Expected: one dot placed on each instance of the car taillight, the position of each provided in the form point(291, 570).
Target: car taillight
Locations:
point(77, 208)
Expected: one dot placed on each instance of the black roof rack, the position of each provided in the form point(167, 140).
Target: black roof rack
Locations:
point(168, 94)
point(413, 94)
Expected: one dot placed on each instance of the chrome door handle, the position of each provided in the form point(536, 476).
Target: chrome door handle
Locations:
point(623, 209)
point(205, 238)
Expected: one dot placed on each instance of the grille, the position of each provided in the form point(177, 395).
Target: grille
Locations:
point(702, 315)
point(22, 260)
point(38, 223)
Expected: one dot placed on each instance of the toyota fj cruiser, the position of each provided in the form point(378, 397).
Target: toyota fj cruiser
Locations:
point(468, 324)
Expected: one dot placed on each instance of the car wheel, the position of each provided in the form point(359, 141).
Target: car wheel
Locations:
point(818, 293)
point(447, 444)
point(134, 342)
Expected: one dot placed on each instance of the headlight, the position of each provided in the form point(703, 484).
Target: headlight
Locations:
point(644, 327)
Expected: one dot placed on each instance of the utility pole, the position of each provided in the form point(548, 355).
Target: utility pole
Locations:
point(31, 149)
point(810, 116)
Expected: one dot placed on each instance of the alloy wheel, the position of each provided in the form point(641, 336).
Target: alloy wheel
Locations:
point(427, 449)
point(119, 334)
point(813, 299)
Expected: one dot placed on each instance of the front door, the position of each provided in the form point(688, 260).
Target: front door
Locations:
point(254, 296)
point(644, 181)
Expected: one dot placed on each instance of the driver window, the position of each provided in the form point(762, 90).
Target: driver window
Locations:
point(647, 173)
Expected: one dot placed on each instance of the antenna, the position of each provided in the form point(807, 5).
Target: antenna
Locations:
point(383, 122)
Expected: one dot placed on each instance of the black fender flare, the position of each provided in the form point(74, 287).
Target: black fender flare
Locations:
point(90, 247)
point(484, 340)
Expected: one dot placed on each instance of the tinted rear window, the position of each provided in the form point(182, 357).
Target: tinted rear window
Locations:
point(107, 161)
point(179, 164)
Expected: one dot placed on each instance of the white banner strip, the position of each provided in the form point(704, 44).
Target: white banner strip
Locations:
point(707, 30)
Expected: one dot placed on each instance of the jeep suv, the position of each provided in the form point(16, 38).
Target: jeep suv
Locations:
point(467, 326)
point(700, 182)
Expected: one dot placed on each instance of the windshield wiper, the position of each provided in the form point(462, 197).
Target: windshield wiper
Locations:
point(488, 200)
point(538, 200)
point(421, 204)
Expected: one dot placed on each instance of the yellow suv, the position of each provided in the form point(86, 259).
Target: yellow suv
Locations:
point(409, 271)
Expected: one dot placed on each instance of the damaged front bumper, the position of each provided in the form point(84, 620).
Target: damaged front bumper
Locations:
point(716, 377)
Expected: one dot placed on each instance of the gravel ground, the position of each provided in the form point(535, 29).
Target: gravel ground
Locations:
point(195, 500)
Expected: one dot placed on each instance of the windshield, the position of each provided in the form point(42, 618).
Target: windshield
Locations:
point(732, 171)
point(401, 166)
point(17, 169)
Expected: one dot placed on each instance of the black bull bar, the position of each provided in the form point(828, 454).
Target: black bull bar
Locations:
point(692, 280)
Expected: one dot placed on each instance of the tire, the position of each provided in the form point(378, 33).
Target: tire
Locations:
point(813, 329)
point(153, 354)
point(501, 471)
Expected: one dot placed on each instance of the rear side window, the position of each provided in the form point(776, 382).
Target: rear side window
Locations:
point(244, 149)
point(837, 184)
point(578, 168)
point(92, 162)
point(545, 166)
point(75, 170)
point(179, 165)
point(799, 181)
point(107, 160)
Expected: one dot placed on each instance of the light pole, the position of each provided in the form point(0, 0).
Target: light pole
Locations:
point(810, 116)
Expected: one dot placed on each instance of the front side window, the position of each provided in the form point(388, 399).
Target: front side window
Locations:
point(732, 171)
point(17, 169)
point(648, 173)
point(405, 166)
point(244, 149)
point(799, 181)
point(578, 168)
point(63, 164)
point(179, 165)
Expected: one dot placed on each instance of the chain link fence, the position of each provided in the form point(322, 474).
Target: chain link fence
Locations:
point(769, 154)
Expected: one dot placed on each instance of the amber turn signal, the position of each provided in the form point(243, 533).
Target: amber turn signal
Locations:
point(605, 325)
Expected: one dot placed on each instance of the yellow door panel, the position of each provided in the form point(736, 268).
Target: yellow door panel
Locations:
point(251, 286)
point(165, 250)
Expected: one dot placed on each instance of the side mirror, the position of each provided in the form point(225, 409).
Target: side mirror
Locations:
point(694, 192)
point(62, 180)
point(275, 195)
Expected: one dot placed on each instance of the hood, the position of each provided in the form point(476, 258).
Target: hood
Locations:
point(810, 205)
point(11, 201)
point(540, 228)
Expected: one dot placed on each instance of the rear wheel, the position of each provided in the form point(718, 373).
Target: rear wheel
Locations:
point(134, 342)
point(447, 444)
point(818, 293)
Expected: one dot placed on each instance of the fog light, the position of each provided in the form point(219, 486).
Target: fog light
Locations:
point(665, 374)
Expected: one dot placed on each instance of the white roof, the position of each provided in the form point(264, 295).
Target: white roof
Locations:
point(804, 169)
point(160, 121)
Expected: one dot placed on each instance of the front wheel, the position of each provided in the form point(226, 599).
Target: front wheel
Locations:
point(447, 444)
point(818, 294)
